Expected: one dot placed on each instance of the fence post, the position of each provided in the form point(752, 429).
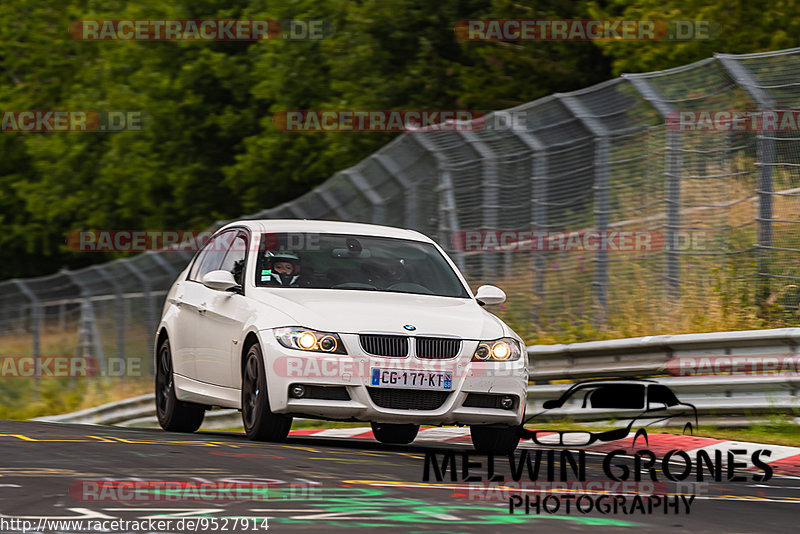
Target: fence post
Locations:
point(149, 312)
point(88, 320)
point(673, 221)
point(332, 203)
point(602, 149)
point(411, 204)
point(672, 185)
point(119, 312)
point(489, 200)
point(362, 185)
point(36, 317)
point(89, 342)
point(765, 155)
point(538, 211)
point(448, 218)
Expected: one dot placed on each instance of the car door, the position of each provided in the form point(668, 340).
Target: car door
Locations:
point(190, 299)
point(221, 326)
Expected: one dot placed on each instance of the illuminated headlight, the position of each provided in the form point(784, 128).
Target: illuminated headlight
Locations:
point(502, 350)
point(295, 337)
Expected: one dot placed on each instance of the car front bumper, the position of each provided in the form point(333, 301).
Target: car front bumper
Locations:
point(352, 373)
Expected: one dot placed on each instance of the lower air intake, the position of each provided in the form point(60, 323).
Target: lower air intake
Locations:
point(408, 399)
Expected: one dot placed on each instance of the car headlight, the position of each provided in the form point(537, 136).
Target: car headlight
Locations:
point(500, 350)
point(296, 337)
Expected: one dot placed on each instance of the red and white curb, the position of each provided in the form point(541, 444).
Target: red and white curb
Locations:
point(784, 460)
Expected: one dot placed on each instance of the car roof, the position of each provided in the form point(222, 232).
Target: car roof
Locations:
point(589, 383)
point(328, 227)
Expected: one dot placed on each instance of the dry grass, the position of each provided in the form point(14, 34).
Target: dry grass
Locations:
point(715, 301)
point(25, 397)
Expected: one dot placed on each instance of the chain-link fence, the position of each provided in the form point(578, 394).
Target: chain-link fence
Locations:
point(718, 210)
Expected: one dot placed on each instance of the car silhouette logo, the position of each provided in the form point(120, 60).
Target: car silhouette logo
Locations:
point(409, 327)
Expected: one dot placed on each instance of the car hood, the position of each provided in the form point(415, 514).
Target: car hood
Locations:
point(347, 311)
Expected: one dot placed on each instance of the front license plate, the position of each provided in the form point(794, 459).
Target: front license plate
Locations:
point(402, 378)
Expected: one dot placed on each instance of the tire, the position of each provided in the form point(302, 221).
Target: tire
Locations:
point(494, 440)
point(260, 424)
point(394, 433)
point(173, 415)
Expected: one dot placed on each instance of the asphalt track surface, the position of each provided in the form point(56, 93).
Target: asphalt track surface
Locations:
point(319, 485)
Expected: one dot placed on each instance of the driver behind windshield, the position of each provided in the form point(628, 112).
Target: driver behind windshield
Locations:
point(282, 269)
point(384, 273)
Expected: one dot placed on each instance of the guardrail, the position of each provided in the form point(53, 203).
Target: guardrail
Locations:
point(737, 398)
point(649, 355)
point(138, 412)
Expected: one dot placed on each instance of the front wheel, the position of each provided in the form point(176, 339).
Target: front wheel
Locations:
point(394, 433)
point(260, 423)
point(173, 415)
point(494, 440)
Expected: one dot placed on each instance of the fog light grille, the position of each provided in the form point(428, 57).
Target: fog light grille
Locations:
point(408, 399)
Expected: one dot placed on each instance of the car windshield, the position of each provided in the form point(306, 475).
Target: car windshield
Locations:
point(355, 262)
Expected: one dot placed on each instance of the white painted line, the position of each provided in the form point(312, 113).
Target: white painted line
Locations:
point(441, 434)
point(340, 432)
point(779, 452)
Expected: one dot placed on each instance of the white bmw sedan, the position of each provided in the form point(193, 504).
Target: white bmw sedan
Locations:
point(338, 321)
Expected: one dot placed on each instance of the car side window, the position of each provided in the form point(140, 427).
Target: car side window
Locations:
point(618, 396)
point(211, 256)
point(662, 394)
point(235, 258)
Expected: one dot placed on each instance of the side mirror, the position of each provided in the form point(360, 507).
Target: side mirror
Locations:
point(219, 280)
point(549, 405)
point(490, 295)
point(657, 406)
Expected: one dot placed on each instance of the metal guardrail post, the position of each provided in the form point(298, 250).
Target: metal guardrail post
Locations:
point(765, 149)
point(333, 205)
point(149, 312)
point(411, 206)
point(448, 218)
point(490, 199)
point(36, 319)
point(601, 199)
point(538, 210)
point(363, 186)
point(88, 322)
point(673, 220)
point(672, 186)
point(119, 311)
